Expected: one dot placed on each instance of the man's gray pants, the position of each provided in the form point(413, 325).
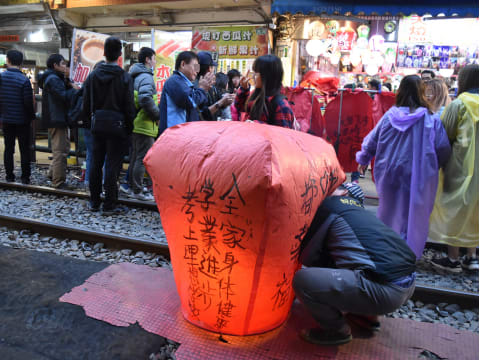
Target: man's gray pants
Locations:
point(328, 292)
point(140, 146)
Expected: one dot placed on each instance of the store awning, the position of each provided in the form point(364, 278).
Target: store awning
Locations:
point(460, 8)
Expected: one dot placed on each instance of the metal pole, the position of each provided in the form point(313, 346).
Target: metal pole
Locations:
point(311, 114)
point(337, 142)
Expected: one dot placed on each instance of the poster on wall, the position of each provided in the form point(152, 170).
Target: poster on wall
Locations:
point(167, 46)
point(232, 42)
point(87, 50)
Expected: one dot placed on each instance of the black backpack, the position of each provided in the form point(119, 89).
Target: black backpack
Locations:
point(75, 116)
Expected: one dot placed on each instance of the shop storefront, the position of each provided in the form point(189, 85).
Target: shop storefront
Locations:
point(356, 43)
point(443, 45)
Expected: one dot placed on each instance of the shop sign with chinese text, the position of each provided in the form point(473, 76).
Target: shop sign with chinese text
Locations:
point(167, 45)
point(240, 42)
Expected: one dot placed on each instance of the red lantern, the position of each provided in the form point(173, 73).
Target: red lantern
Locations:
point(235, 201)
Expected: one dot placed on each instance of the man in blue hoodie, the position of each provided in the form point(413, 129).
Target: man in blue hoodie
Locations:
point(16, 114)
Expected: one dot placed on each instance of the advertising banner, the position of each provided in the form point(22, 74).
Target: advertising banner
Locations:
point(87, 50)
point(233, 42)
point(167, 45)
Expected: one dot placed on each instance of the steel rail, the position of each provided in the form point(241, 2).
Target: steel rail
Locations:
point(433, 295)
point(82, 234)
point(426, 294)
point(149, 205)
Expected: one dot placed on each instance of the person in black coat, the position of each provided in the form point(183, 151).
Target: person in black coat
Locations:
point(55, 104)
point(16, 114)
point(356, 268)
point(108, 97)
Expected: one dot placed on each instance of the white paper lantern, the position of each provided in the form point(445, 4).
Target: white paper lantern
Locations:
point(314, 47)
point(371, 69)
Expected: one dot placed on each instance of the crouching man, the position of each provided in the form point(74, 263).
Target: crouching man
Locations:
point(356, 268)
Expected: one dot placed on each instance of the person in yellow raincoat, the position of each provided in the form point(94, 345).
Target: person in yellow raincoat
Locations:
point(454, 219)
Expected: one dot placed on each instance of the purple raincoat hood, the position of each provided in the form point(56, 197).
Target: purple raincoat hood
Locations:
point(402, 119)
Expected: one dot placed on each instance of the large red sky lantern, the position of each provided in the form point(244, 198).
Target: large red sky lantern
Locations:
point(235, 201)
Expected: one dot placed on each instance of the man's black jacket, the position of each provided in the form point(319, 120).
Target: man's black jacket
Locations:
point(112, 90)
point(345, 235)
point(55, 99)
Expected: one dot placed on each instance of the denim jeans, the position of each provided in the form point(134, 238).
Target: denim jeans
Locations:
point(88, 139)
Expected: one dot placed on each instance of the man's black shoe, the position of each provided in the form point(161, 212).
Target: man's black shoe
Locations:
point(93, 208)
point(325, 337)
point(118, 210)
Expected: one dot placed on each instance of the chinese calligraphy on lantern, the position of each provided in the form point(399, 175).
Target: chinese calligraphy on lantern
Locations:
point(214, 237)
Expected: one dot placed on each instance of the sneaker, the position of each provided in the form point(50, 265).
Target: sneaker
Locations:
point(469, 263)
point(124, 189)
point(93, 208)
point(118, 210)
point(64, 186)
point(143, 197)
point(447, 265)
point(367, 322)
point(326, 337)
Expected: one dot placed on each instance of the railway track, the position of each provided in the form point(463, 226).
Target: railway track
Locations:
point(426, 294)
point(148, 205)
point(370, 201)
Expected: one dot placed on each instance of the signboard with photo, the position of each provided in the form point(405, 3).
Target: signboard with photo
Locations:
point(87, 50)
point(167, 45)
point(232, 42)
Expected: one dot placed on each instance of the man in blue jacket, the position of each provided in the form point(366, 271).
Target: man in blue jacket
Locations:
point(356, 268)
point(16, 114)
point(55, 104)
point(181, 101)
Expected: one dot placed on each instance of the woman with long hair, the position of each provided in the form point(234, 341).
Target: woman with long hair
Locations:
point(410, 145)
point(265, 103)
point(436, 93)
point(233, 80)
point(454, 219)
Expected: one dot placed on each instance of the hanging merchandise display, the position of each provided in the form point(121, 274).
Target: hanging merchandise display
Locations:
point(332, 27)
point(225, 191)
point(345, 37)
point(345, 47)
point(433, 45)
point(363, 31)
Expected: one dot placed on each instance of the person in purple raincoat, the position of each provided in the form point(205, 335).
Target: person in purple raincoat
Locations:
point(410, 144)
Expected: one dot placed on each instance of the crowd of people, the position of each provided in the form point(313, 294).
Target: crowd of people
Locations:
point(357, 266)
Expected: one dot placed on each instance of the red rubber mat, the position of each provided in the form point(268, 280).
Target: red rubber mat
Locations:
point(126, 293)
